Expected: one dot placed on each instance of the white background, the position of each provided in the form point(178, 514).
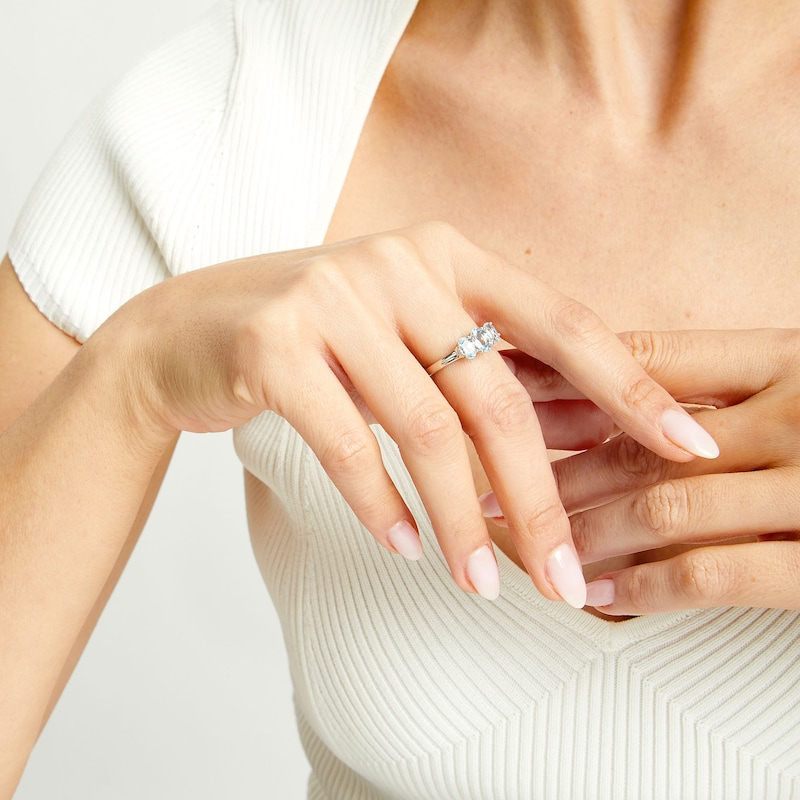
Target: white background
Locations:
point(183, 691)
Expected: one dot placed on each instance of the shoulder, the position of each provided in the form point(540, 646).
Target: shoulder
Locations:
point(172, 91)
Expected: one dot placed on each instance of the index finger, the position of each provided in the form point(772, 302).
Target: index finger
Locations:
point(570, 337)
point(715, 368)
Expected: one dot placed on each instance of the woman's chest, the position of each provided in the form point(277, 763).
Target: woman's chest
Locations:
point(696, 235)
point(702, 233)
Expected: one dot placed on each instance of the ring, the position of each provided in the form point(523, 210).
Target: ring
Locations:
point(478, 340)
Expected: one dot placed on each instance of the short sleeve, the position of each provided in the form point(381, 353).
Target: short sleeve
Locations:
point(101, 224)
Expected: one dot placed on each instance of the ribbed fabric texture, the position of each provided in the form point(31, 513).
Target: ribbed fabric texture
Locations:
point(232, 140)
point(235, 139)
point(407, 688)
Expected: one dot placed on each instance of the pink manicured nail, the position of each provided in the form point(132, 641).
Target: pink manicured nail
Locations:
point(600, 593)
point(491, 509)
point(405, 540)
point(483, 573)
point(489, 505)
point(565, 573)
point(683, 431)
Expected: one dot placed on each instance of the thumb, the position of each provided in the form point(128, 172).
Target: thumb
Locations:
point(718, 368)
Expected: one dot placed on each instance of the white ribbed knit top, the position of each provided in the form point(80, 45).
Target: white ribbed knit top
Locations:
point(235, 139)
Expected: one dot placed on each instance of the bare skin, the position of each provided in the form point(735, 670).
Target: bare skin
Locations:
point(636, 170)
point(61, 555)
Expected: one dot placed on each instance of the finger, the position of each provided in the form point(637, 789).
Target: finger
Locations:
point(573, 424)
point(566, 425)
point(427, 430)
point(713, 367)
point(757, 574)
point(747, 434)
point(497, 414)
point(702, 509)
point(567, 406)
point(569, 337)
point(349, 454)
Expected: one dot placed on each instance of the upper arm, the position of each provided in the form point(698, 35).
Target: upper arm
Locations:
point(32, 350)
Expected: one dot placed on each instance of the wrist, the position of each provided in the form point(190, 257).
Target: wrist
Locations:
point(119, 377)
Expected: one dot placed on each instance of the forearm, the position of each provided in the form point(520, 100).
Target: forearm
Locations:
point(75, 471)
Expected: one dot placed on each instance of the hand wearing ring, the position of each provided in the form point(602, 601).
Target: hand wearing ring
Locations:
point(300, 333)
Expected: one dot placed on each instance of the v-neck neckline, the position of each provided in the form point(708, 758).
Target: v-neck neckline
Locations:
point(517, 586)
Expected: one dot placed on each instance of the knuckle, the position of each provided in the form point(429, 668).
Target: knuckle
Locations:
point(371, 509)
point(658, 351)
point(507, 407)
point(457, 532)
point(250, 345)
point(640, 591)
point(643, 347)
point(322, 281)
point(439, 231)
point(701, 577)
point(394, 247)
point(546, 517)
point(431, 427)
point(575, 320)
point(442, 247)
point(631, 461)
point(639, 392)
point(350, 453)
point(662, 509)
point(254, 332)
point(548, 381)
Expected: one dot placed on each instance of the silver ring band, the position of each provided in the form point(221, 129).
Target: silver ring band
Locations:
point(478, 340)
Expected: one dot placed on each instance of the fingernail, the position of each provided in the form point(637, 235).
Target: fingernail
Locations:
point(405, 540)
point(600, 593)
point(565, 573)
point(483, 573)
point(491, 509)
point(510, 363)
point(682, 430)
point(489, 505)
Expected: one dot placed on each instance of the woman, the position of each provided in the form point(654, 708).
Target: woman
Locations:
point(535, 132)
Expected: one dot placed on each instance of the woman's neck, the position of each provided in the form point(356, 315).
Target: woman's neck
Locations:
point(628, 56)
point(638, 62)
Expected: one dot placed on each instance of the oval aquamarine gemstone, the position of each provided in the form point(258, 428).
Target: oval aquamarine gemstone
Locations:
point(467, 348)
point(481, 340)
point(487, 336)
